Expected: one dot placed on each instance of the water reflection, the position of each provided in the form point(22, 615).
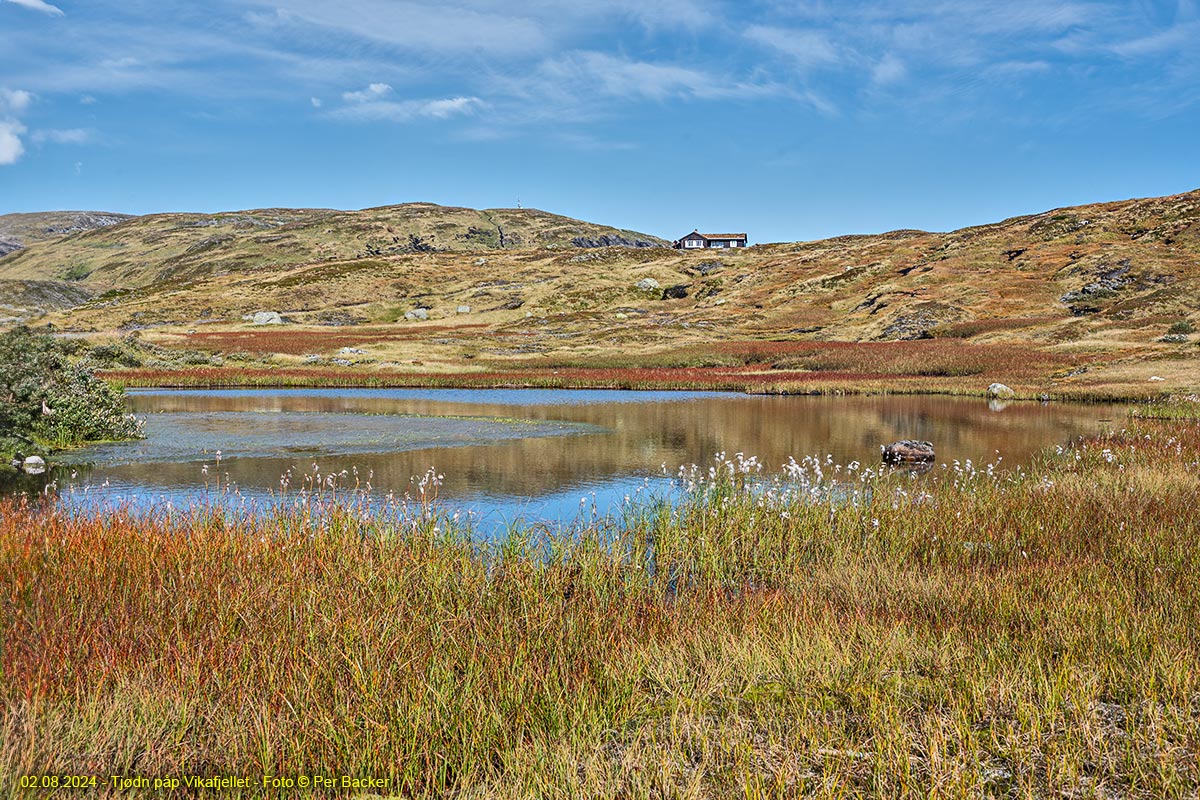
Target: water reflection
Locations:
point(538, 449)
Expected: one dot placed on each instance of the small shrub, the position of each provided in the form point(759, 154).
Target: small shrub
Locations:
point(1181, 327)
point(51, 402)
point(110, 355)
point(77, 273)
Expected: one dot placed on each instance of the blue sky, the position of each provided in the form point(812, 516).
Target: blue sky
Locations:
point(788, 120)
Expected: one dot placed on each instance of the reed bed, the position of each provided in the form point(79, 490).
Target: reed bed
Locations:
point(833, 631)
point(1177, 407)
point(735, 379)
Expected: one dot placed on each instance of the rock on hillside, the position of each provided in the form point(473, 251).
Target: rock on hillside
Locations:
point(22, 230)
point(21, 301)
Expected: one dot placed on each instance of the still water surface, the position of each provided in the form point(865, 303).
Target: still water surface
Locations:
point(529, 455)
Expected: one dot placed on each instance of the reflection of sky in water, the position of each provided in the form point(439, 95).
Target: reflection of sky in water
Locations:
point(197, 436)
point(489, 515)
point(523, 455)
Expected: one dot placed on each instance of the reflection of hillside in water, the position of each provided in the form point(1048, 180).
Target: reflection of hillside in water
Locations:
point(639, 437)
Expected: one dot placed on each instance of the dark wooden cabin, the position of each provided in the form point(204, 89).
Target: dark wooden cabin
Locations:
point(701, 241)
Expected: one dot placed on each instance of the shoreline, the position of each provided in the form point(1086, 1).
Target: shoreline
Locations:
point(635, 379)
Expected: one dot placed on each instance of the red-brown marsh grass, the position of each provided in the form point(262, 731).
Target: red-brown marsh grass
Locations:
point(968, 633)
point(935, 366)
point(298, 341)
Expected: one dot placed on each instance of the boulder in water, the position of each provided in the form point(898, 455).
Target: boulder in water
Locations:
point(1000, 392)
point(908, 451)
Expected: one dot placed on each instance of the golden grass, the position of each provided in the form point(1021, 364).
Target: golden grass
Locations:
point(967, 634)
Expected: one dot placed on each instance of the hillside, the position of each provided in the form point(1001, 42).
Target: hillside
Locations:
point(177, 248)
point(1098, 298)
point(22, 230)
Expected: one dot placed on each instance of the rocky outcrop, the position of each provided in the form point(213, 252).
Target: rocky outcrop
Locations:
point(648, 285)
point(908, 451)
point(1107, 283)
point(86, 221)
point(677, 292)
point(608, 240)
point(417, 315)
point(44, 295)
point(9, 244)
point(917, 321)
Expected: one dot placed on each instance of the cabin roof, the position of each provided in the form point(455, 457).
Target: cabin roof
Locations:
point(723, 235)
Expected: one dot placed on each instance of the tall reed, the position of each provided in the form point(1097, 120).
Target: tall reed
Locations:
point(829, 632)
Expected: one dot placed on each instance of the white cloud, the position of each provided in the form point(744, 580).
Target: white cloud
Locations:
point(40, 5)
point(57, 136)
point(372, 93)
point(449, 107)
point(315, 101)
point(808, 48)
point(890, 69)
point(10, 141)
point(462, 27)
point(584, 74)
point(489, 28)
point(14, 101)
point(360, 108)
point(1179, 37)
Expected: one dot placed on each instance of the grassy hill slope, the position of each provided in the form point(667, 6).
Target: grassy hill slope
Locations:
point(1098, 298)
point(175, 248)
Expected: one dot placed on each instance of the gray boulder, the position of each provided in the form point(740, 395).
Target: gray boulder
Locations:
point(1000, 392)
point(265, 318)
point(648, 285)
point(416, 314)
point(34, 465)
point(464, 309)
point(908, 451)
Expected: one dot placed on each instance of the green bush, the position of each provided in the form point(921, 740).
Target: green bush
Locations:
point(49, 402)
point(1182, 326)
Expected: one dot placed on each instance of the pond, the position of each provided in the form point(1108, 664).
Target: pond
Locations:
point(524, 454)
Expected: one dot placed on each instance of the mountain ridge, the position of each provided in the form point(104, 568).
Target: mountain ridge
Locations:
point(1116, 283)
